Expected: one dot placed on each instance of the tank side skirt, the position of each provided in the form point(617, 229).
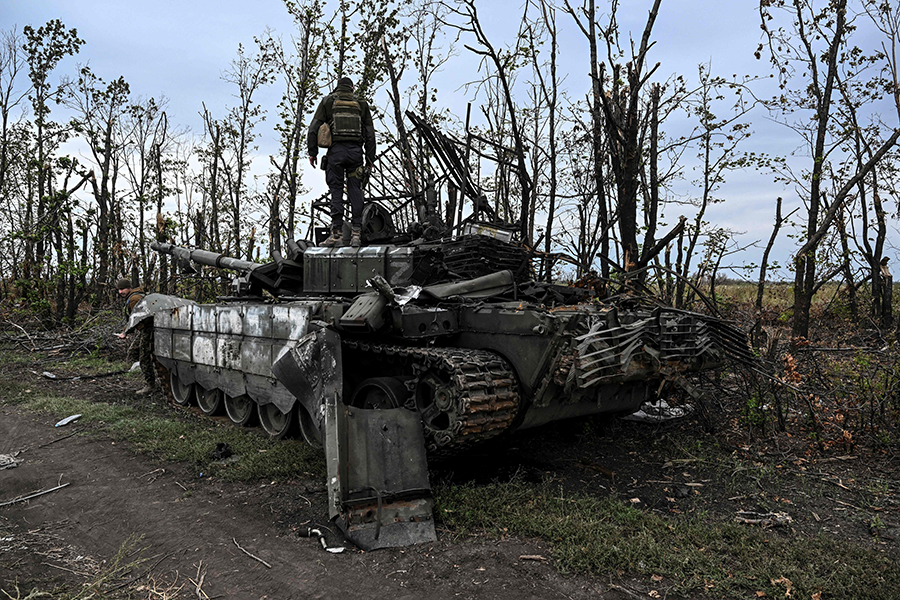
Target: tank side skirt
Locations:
point(231, 347)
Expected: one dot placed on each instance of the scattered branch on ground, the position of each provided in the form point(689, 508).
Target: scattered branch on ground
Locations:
point(256, 558)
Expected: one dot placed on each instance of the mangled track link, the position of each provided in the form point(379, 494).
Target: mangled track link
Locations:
point(479, 397)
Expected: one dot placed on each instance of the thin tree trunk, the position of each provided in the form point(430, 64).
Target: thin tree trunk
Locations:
point(763, 267)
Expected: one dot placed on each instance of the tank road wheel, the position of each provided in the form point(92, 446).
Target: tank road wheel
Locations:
point(276, 423)
point(380, 393)
point(182, 393)
point(240, 409)
point(308, 428)
point(209, 401)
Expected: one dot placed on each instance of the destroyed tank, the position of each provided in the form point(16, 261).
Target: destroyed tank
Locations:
point(412, 344)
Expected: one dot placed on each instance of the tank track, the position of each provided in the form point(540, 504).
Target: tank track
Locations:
point(484, 397)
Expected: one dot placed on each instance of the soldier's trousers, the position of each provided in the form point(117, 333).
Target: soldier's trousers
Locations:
point(345, 158)
point(146, 354)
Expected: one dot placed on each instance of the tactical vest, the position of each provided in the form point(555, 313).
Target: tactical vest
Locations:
point(346, 119)
point(131, 301)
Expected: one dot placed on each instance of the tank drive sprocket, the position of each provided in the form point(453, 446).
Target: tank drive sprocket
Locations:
point(464, 396)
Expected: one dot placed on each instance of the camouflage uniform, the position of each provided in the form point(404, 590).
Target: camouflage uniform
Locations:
point(145, 350)
point(144, 341)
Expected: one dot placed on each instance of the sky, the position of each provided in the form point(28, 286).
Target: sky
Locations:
point(180, 49)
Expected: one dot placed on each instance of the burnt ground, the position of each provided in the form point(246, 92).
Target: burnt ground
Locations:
point(185, 527)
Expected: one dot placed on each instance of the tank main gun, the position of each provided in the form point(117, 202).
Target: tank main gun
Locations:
point(279, 277)
point(204, 257)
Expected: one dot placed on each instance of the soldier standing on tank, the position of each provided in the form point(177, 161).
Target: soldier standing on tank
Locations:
point(132, 296)
point(352, 135)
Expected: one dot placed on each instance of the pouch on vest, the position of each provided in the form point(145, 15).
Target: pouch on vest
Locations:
point(324, 136)
point(347, 121)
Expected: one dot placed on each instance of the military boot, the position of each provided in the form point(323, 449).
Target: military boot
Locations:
point(354, 238)
point(336, 239)
point(147, 390)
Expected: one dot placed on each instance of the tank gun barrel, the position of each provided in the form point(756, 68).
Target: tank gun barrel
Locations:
point(204, 257)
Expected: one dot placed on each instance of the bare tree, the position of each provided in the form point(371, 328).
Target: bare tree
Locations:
point(549, 92)
point(500, 63)
point(343, 41)
point(99, 109)
point(426, 24)
point(70, 276)
point(248, 72)
point(300, 73)
point(585, 17)
point(620, 96)
point(886, 18)
point(15, 145)
point(718, 142)
point(359, 51)
point(582, 227)
point(428, 57)
point(211, 177)
point(814, 44)
point(12, 64)
point(763, 268)
point(408, 167)
point(147, 141)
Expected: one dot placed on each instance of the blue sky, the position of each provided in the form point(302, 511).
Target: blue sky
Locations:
point(179, 49)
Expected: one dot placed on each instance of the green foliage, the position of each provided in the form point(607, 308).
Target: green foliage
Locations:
point(754, 412)
point(44, 48)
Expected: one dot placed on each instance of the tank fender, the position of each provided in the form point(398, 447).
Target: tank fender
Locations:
point(312, 370)
point(153, 303)
point(479, 287)
point(378, 489)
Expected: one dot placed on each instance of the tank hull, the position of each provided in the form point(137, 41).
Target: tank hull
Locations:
point(568, 362)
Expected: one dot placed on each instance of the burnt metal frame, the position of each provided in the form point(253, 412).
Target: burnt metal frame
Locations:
point(437, 158)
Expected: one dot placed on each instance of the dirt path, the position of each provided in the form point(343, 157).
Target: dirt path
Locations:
point(189, 525)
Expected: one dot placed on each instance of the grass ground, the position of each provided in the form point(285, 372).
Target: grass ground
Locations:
point(171, 434)
point(694, 555)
